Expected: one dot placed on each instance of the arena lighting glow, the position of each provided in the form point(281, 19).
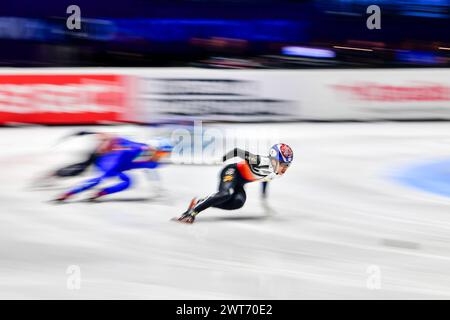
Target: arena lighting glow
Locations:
point(352, 48)
point(308, 52)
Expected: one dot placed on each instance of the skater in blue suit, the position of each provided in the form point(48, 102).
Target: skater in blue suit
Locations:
point(113, 158)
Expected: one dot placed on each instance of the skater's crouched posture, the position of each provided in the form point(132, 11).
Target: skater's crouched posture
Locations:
point(113, 157)
point(103, 145)
point(233, 177)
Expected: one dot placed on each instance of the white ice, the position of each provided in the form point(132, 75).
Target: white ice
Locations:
point(334, 218)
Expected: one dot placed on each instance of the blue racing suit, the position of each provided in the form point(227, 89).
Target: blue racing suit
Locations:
point(122, 156)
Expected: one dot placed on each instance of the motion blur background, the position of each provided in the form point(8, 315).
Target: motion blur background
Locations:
point(225, 33)
point(363, 212)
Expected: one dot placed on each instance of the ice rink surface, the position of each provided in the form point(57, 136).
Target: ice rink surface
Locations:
point(337, 226)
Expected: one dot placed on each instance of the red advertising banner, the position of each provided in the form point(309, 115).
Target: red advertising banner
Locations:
point(61, 98)
point(422, 92)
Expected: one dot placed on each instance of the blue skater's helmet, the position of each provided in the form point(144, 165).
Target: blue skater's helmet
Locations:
point(282, 153)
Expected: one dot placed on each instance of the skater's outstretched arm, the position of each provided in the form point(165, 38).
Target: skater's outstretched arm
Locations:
point(243, 154)
point(77, 168)
point(264, 189)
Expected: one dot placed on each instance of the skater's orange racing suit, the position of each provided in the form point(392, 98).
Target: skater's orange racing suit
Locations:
point(254, 167)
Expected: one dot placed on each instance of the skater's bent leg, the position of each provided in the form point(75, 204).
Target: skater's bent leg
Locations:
point(229, 181)
point(89, 184)
point(237, 201)
point(213, 200)
point(124, 184)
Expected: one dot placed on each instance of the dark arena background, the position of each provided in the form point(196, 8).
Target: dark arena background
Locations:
point(360, 90)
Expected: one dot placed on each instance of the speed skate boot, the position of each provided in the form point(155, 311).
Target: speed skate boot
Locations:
point(95, 197)
point(189, 215)
point(62, 198)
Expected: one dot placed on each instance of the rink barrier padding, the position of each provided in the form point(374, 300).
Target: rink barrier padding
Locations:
point(154, 95)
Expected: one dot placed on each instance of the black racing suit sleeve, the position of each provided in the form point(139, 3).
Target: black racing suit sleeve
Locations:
point(77, 168)
point(243, 154)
